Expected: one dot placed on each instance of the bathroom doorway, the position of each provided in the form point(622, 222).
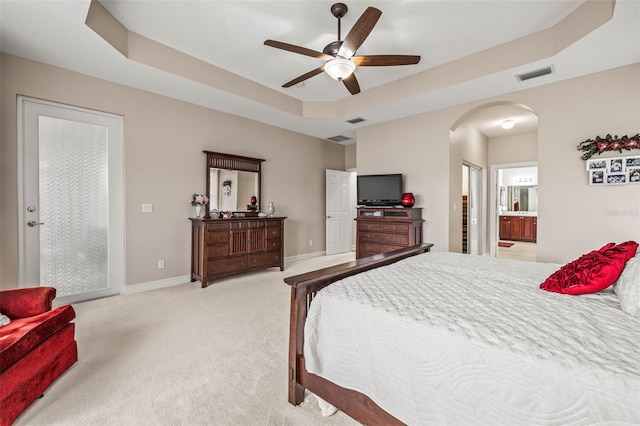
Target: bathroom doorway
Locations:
point(516, 207)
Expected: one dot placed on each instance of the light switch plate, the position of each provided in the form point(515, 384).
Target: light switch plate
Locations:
point(147, 208)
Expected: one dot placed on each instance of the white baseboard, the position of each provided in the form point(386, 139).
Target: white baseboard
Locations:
point(304, 256)
point(185, 279)
point(154, 285)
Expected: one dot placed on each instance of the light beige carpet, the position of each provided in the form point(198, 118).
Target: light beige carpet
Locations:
point(185, 356)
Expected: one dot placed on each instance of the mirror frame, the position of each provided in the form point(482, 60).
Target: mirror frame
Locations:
point(218, 160)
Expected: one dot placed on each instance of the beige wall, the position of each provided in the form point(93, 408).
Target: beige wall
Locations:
point(467, 145)
point(164, 164)
point(520, 148)
point(350, 156)
point(569, 113)
point(574, 217)
point(417, 147)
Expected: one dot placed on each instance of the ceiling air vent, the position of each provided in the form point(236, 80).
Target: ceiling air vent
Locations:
point(338, 138)
point(534, 74)
point(356, 120)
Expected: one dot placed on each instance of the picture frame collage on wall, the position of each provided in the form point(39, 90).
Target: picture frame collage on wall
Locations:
point(614, 171)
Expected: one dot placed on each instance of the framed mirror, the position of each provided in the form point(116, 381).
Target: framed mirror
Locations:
point(232, 182)
point(524, 197)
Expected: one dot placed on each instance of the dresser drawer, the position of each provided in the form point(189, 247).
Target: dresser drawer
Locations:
point(380, 237)
point(274, 243)
point(256, 224)
point(225, 265)
point(369, 227)
point(214, 237)
point(395, 227)
point(273, 232)
point(366, 247)
point(218, 225)
point(270, 258)
point(217, 250)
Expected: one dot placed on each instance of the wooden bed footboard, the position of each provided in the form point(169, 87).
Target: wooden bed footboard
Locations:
point(303, 289)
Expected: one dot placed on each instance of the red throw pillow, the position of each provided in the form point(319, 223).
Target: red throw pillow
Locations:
point(591, 272)
point(627, 249)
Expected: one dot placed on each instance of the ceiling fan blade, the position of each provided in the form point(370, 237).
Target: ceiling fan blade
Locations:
point(351, 83)
point(385, 60)
point(298, 49)
point(359, 32)
point(304, 77)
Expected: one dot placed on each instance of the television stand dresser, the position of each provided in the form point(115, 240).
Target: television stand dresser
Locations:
point(223, 247)
point(384, 229)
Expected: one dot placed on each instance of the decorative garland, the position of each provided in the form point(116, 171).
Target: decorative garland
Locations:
point(608, 143)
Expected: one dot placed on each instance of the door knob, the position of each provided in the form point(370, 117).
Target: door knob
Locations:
point(328, 217)
point(33, 223)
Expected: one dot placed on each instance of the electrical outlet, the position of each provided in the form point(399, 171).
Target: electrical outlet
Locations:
point(147, 208)
point(310, 243)
point(160, 264)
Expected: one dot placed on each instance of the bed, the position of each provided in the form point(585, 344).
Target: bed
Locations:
point(413, 337)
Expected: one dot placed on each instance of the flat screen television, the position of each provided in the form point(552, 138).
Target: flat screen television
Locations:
point(379, 190)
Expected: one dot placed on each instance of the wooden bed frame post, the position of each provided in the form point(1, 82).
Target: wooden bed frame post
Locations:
point(303, 289)
point(296, 320)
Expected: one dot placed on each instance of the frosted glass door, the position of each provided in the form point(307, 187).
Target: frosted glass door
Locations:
point(74, 202)
point(71, 219)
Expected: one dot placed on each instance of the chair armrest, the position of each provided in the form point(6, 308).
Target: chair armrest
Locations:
point(26, 302)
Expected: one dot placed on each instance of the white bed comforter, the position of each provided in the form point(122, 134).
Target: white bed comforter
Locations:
point(446, 338)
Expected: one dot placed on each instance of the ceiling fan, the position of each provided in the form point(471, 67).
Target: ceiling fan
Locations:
point(339, 55)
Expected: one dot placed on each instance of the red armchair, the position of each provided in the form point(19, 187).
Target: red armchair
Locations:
point(36, 347)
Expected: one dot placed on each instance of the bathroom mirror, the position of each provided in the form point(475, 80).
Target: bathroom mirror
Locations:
point(231, 182)
point(519, 198)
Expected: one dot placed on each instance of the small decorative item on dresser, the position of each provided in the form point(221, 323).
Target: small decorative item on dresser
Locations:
point(271, 210)
point(254, 200)
point(408, 200)
point(198, 200)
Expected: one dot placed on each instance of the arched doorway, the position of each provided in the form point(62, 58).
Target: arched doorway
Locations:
point(478, 138)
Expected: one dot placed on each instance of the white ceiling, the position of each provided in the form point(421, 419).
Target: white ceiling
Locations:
point(230, 35)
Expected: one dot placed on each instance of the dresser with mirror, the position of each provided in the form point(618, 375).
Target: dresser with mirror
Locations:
point(234, 237)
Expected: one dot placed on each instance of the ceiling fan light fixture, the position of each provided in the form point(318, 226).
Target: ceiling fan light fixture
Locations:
point(339, 68)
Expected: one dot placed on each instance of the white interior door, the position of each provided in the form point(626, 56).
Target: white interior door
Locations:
point(71, 219)
point(339, 222)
